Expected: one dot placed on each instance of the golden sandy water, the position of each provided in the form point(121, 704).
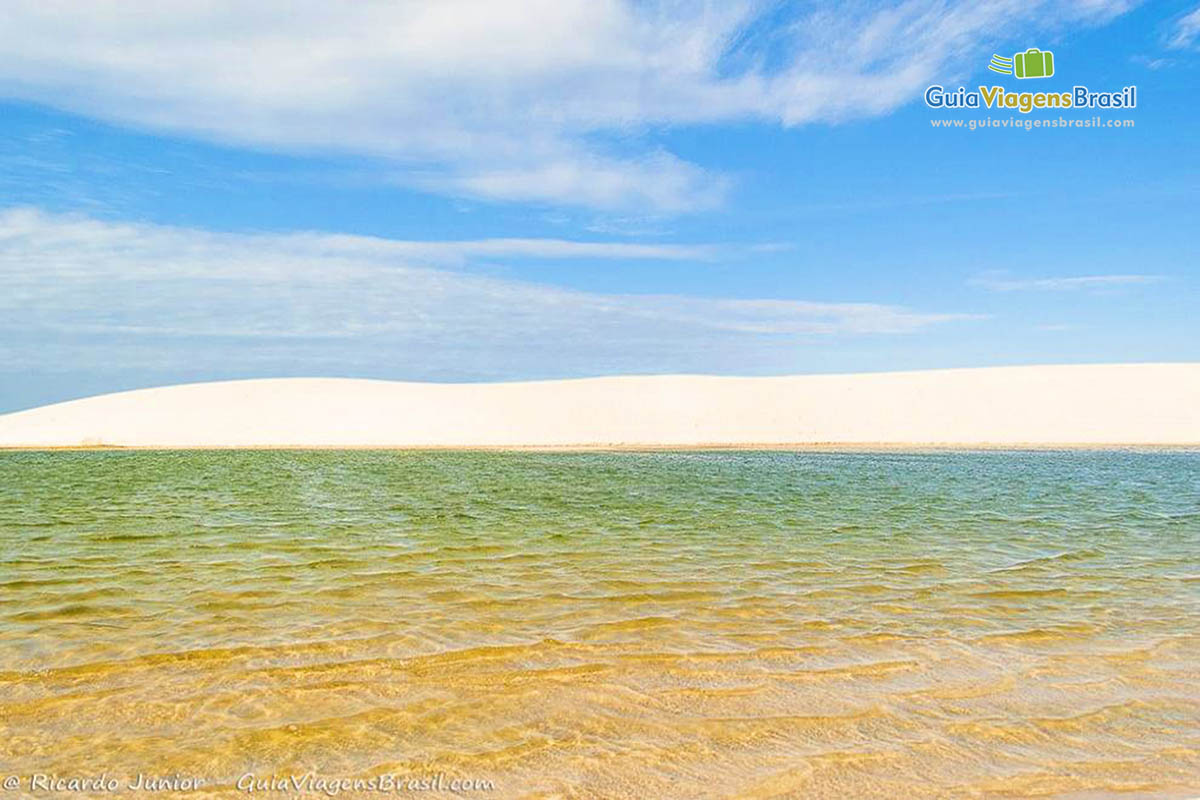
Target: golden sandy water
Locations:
point(684, 625)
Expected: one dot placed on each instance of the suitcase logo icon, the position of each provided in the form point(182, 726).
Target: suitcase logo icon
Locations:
point(1033, 63)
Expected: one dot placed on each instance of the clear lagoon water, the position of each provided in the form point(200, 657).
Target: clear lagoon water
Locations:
point(607, 625)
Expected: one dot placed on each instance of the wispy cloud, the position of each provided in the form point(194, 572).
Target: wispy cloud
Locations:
point(997, 282)
point(1185, 31)
point(80, 291)
point(465, 251)
point(544, 101)
point(1151, 63)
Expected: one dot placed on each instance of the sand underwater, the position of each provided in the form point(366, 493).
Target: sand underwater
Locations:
point(607, 625)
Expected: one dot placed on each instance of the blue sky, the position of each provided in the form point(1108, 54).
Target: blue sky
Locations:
point(523, 190)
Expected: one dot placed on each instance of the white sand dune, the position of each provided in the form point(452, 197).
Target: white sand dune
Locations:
point(1070, 405)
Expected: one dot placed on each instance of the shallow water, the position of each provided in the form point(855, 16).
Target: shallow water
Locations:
point(692, 625)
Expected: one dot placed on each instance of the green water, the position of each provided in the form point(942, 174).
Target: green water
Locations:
point(751, 624)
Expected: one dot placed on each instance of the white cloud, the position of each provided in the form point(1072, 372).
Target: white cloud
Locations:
point(81, 292)
point(1151, 63)
point(1186, 30)
point(31, 231)
point(996, 282)
point(531, 100)
point(604, 183)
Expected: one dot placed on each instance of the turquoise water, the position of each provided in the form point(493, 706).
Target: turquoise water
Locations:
point(687, 624)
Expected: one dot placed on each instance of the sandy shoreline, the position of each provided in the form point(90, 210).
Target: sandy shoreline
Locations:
point(1006, 407)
